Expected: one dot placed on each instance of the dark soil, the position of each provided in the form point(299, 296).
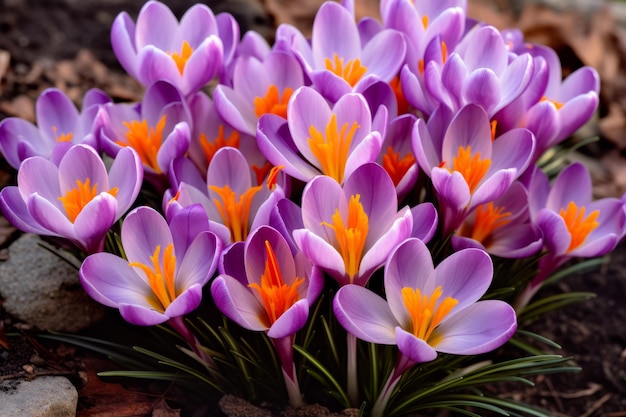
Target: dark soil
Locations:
point(66, 43)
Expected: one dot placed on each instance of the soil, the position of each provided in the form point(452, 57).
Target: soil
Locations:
point(65, 43)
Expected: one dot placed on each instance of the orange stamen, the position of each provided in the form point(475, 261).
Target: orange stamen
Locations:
point(471, 167)
point(62, 137)
point(352, 71)
point(145, 140)
point(557, 104)
point(351, 237)
point(396, 86)
point(426, 313)
point(77, 198)
point(182, 58)
point(235, 210)
point(577, 224)
point(160, 276)
point(494, 125)
point(277, 297)
point(425, 21)
point(220, 141)
point(489, 218)
point(272, 102)
point(396, 167)
point(331, 150)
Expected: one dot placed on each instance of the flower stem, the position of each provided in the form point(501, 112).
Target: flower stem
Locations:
point(402, 365)
point(284, 348)
point(353, 387)
point(178, 324)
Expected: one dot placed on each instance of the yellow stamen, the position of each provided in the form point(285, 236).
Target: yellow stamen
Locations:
point(272, 102)
point(426, 313)
point(396, 167)
point(352, 71)
point(145, 140)
point(277, 296)
point(577, 224)
point(557, 104)
point(220, 141)
point(160, 276)
point(77, 198)
point(471, 167)
point(61, 137)
point(235, 210)
point(182, 58)
point(331, 150)
point(351, 237)
point(489, 218)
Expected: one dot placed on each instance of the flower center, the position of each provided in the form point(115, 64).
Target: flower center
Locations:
point(77, 198)
point(276, 296)
point(61, 137)
point(272, 102)
point(488, 219)
point(351, 236)
point(160, 276)
point(352, 71)
point(426, 312)
point(145, 140)
point(557, 104)
point(220, 141)
point(396, 167)
point(577, 224)
point(181, 59)
point(396, 86)
point(331, 149)
point(473, 168)
point(234, 209)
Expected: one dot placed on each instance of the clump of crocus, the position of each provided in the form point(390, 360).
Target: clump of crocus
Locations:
point(427, 309)
point(77, 200)
point(272, 292)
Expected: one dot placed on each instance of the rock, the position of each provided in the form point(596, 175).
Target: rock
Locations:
point(43, 290)
point(46, 396)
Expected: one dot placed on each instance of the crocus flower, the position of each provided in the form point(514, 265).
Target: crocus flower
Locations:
point(427, 310)
point(349, 231)
point(259, 87)
point(501, 227)
point(336, 60)
point(477, 71)
point(573, 225)
point(565, 106)
point(165, 269)
point(59, 126)
point(188, 53)
point(397, 155)
point(272, 293)
point(235, 198)
point(467, 167)
point(76, 200)
point(158, 129)
point(317, 139)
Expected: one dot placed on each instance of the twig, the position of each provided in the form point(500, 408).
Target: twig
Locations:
point(597, 405)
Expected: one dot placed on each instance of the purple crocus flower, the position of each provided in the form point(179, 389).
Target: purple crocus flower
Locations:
point(259, 87)
point(397, 155)
point(467, 167)
point(336, 60)
point(188, 53)
point(158, 129)
point(165, 269)
point(76, 200)
point(501, 227)
point(573, 225)
point(59, 126)
point(427, 310)
point(271, 293)
point(349, 231)
point(235, 198)
point(317, 139)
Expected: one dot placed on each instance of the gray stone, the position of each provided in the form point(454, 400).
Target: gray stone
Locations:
point(43, 290)
point(44, 396)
